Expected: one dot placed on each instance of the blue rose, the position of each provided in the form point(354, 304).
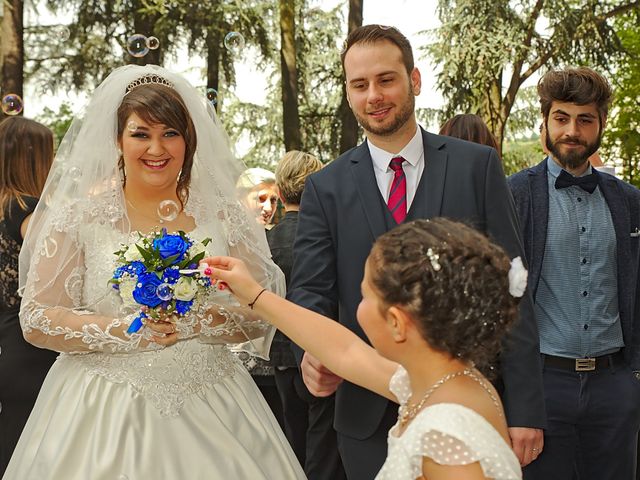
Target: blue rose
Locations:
point(136, 268)
point(170, 245)
point(183, 307)
point(171, 275)
point(145, 291)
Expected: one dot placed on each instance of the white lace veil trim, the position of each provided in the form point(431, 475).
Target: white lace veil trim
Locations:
point(85, 187)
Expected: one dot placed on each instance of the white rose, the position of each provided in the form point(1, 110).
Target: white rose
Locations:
point(127, 285)
point(133, 254)
point(517, 278)
point(184, 289)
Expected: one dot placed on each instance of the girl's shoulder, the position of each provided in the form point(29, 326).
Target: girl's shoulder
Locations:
point(453, 434)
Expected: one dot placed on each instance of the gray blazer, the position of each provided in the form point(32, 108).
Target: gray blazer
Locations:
point(341, 215)
point(530, 192)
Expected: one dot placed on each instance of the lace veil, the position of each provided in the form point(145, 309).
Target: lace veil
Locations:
point(83, 197)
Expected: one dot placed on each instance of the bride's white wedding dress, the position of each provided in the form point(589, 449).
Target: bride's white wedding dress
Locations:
point(449, 434)
point(189, 411)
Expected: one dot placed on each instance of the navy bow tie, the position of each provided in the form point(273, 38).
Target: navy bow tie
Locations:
point(588, 183)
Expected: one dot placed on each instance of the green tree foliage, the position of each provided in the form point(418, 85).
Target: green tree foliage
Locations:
point(622, 135)
point(98, 35)
point(319, 95)
point(59, 122)
point(486, 49)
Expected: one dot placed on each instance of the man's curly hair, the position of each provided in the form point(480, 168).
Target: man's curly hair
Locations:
point(460, 299)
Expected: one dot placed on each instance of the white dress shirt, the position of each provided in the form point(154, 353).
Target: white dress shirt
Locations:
point(413, 153)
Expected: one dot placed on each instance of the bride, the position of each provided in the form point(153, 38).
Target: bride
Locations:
point(170, 400)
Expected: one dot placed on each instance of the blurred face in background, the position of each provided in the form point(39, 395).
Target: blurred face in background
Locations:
point(263, 199)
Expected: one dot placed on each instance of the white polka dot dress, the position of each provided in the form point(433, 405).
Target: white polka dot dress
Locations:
point(449, 434)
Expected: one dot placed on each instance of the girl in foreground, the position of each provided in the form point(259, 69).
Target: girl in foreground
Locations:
point(437, 299)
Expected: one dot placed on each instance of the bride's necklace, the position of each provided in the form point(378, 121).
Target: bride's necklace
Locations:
point(407, 412)
point(147, 216)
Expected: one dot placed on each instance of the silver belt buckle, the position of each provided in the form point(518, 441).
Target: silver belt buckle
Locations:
point(585, 364)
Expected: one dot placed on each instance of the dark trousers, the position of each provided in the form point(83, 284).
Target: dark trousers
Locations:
point(593, 420)
point(363, 459)
point(308, 424)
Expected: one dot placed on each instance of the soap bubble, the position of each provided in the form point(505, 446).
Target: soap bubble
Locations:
point(153, 43)
point(168, 210)
point(234, 42)
point(62, 33)
point(137, 45)
point(164, 292)
point(132, 126)
point(212, 95)
point(74, 173)
point(12, 104)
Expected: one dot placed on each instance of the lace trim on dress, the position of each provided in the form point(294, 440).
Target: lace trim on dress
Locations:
point(165, 377)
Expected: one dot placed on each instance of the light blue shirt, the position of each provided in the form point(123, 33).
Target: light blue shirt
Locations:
point(576, 302)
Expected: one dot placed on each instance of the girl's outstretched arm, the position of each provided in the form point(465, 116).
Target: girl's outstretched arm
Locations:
point(339, 349)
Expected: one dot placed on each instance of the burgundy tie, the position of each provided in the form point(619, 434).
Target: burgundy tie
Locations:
point(397, 202)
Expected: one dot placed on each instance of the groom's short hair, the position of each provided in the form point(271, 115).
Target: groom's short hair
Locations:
point(377, 33)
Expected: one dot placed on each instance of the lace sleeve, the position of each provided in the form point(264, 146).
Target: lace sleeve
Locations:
point(52, 315)
point(226, 321)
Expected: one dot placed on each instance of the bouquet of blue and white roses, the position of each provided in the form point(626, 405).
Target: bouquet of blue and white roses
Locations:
point(160, 273)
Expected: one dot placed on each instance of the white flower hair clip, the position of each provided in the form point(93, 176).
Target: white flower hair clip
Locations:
point(517, 278)
point(433, 258)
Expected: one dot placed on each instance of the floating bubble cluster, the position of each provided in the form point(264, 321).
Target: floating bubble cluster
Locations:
point(12, 104)
point(234, 42)
point(212, 95)
point(137, 45)
point(168, 210)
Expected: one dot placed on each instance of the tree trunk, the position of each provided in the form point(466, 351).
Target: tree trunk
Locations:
point(145, 25)
point(213, 62)
point(12, 48)
point(492, 112)
point(289, 72)
point(349, 125)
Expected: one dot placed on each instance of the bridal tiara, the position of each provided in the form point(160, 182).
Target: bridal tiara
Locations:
point(148, 79)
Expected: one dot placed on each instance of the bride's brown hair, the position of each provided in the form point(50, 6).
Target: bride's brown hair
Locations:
point(161, 105)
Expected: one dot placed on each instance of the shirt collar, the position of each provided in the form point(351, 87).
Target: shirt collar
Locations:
point(555, 169)
point(412, 153)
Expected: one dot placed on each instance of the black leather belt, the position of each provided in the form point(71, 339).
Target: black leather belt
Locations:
point(584, 364)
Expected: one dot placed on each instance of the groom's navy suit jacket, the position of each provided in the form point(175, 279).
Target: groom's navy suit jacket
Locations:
point(342, 213)
point(530, 191)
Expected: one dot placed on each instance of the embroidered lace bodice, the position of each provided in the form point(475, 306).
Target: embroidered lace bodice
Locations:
point(449, 434)
point(166, 376)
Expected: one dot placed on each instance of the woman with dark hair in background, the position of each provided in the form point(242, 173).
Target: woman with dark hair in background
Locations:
point(470, 127)
point(26, 153)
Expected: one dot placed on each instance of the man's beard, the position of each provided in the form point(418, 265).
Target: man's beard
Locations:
point(398, 122)
point(574, 158)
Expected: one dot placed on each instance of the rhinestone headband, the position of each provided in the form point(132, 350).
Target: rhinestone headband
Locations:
point(148, 79)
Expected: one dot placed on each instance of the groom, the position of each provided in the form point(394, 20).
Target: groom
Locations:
point(400, 173)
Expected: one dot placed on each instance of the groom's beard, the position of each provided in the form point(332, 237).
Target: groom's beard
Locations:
point(402, 117)
point(574, 158)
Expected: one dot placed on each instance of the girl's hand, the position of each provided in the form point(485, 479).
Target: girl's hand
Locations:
point(231, 273)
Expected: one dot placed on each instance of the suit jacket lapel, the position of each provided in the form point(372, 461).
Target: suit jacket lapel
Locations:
point(620, 218)
point(427, 202)
point(539, 218)
point(364, 179)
